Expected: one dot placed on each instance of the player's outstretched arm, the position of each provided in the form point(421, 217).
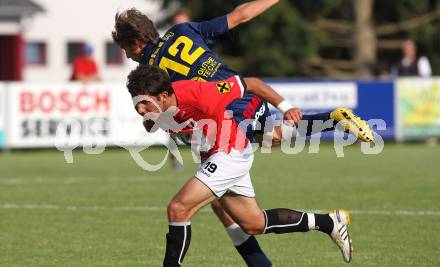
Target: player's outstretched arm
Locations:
point(261, 89)
point(247, 11)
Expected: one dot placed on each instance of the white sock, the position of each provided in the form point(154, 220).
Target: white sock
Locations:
point(237, 235)
point(311, 221)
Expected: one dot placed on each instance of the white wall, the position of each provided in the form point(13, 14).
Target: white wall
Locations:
point(2, 112)
point(89, 21)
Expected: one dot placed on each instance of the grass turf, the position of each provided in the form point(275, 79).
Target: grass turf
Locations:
point(103, 210)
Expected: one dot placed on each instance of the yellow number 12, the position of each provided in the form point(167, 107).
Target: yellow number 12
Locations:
point(185, 55)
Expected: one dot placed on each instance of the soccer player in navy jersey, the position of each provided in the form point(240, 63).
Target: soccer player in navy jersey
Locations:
point(226, 160)
point(184, 54)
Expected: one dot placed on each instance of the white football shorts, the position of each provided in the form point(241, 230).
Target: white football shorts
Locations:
point(228, 173)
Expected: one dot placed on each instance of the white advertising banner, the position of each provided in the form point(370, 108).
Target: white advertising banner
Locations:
point(74, 114)
point(318, 95)
point(77, 114)
point(2, 114)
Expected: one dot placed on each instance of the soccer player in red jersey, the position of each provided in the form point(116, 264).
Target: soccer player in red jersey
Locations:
point(226, 161)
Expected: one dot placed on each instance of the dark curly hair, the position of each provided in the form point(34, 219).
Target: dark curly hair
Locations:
point(132, 25)
point(148, 80)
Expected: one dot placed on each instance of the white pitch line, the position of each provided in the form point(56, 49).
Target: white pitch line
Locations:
point(397, 212)
point(80, 208)
point(157, 208)
point(82, 180)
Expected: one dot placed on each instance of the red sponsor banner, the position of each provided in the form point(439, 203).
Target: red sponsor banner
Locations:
point(64, 101)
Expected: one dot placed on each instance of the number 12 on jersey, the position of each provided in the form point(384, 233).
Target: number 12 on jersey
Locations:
point(185, 55)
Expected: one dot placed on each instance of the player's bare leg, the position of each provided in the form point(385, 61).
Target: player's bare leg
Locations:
point(190, 198)
point(253, 220)
point(193, 196)
point(245, 244)
point(246, 213)
point(221, 213)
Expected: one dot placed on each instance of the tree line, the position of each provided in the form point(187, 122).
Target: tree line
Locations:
point(325, 38)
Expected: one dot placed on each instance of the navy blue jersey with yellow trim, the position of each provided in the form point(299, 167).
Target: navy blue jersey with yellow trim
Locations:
point(184, 54)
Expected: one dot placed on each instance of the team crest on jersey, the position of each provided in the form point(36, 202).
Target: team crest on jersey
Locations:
point(223, 87)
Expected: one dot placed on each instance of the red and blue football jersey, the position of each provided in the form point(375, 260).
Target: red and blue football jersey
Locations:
point(202, 106)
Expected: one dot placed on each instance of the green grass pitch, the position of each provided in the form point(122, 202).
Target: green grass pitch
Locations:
point(103, 210)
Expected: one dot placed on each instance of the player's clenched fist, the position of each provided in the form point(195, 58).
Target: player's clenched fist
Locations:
point(292, 116)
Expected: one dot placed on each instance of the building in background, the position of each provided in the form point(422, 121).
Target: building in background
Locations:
point(54, 38)
point(13, 18)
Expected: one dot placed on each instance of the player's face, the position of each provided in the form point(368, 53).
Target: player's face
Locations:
point(133, 51)
point(151, 105)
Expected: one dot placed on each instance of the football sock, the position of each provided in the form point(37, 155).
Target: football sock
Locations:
point(320, 222)
point(317, 116)
point(322, 117)
point(282, 221)
point(178, 240)
point(237, 235)
point(248, 247)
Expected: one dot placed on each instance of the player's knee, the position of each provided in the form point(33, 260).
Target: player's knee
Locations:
point(177, 211)
point(252, 228)
point(253, 224)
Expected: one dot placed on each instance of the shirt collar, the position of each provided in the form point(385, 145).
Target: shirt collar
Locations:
point(146, 53)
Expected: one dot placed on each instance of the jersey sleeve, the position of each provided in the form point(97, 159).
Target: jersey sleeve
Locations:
point(213, 29)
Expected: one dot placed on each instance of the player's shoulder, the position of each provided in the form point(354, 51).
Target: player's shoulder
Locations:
point(186, 91)
point(182, 27)
point(196, 26)
point(236, 80)
point(185, 85)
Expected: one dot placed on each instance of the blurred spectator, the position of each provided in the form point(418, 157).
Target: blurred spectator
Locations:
point(182, 15)
point(84, 66)
point(380, 71)
point(411, 64)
